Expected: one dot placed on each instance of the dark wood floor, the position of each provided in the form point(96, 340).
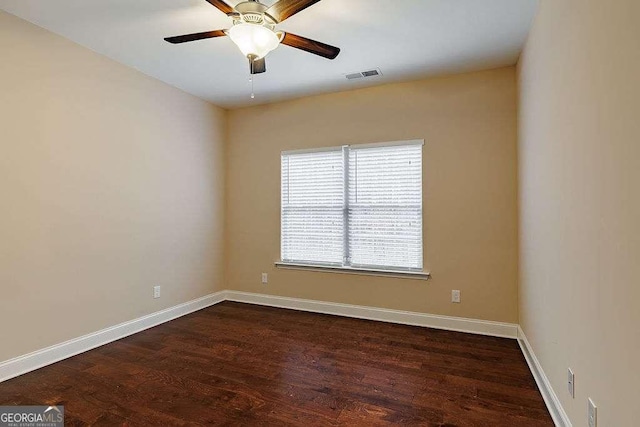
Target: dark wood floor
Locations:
point(239, 364)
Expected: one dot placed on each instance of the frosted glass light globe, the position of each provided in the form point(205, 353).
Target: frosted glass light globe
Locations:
point(253, 39)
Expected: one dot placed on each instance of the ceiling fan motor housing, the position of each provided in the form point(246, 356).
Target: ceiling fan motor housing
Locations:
point(254, 12)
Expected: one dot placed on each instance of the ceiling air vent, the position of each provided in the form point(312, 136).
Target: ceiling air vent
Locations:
point(362, 74)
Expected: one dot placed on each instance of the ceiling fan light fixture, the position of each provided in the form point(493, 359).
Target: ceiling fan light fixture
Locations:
point(254, 30)
point(253, 39)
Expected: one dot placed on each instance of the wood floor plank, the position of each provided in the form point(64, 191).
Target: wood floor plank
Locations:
point(239, 364)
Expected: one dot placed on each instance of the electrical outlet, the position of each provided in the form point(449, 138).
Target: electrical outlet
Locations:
point(571, 383)
point(265, 278)
point(455, 296)
point(593, 414)
point(156, 291)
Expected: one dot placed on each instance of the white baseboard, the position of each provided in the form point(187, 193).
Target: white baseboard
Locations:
point(460, 324)
point(32, 361)
point(550, 397)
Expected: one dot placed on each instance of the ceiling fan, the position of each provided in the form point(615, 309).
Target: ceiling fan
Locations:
point(254, 30)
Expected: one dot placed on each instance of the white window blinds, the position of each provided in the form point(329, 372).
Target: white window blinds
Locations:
point(312, 207)
point(354, 206)
point(385, 206)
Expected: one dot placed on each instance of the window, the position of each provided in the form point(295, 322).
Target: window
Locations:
point(353, 206)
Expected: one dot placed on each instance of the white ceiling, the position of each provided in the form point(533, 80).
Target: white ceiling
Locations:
point(406, 39)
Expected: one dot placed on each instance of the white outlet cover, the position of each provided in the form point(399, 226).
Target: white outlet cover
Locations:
point(265, 278)
point(455, 296)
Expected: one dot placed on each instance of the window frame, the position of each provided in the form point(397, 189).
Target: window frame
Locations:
point(346, 266)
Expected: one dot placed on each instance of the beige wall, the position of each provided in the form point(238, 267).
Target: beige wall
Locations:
point(111, 182)
point(579, 156)
point(468, 123)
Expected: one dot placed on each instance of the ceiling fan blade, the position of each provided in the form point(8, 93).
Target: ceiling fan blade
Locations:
point(311, 46)
point(257, 66)
point(286, 8)
point(196, 36)
point(220, 4)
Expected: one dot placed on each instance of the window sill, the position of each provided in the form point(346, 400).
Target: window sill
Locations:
point(400, 274)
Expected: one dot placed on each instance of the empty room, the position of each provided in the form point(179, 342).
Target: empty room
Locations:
point(320, 213)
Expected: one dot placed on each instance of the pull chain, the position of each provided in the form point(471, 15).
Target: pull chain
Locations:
point(252, 93)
